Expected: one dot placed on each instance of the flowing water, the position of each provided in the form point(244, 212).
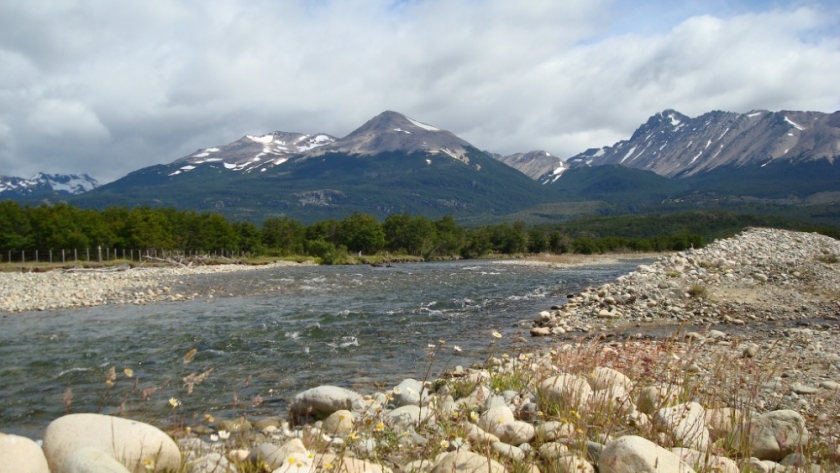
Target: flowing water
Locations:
point(268, 334)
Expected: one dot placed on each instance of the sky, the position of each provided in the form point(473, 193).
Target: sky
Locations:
point(106, 88)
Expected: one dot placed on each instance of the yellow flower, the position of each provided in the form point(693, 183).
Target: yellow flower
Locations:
point(129, 373)
point(380, 426)
point(444, 444)
point(209, 418)
point(311, 455)
point(328, 465)
point(291, 460)
point(109, 383)
point(174, 402)
point(474, 415)
point(497, 334)
point(504, 355)
point(352, 435)
point(148, 464)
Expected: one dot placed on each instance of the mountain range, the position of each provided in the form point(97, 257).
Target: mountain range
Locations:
point(394, 164)
point(46, 186)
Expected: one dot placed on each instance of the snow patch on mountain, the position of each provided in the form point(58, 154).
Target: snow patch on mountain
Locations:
point(64, 184)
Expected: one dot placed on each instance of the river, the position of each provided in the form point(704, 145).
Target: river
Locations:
point(268, 334)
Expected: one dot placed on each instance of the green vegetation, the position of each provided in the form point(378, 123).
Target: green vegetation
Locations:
point(358, 237)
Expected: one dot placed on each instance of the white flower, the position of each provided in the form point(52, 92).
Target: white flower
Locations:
point(224, 434)
point(214, 438)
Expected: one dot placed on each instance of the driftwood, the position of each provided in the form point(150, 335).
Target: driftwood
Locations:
point(110, 269)
point(195, 260)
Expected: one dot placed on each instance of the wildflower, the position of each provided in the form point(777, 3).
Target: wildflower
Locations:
point(174, 402)
point(504, 355)
point(456, 349)
point(474, 415)
point(214, 438)
point(444, 444)
point(224, 434)
point(129, 373)
point(328, 465)
point(148, 464)
point(209, 418)
point(291, 460)
point(553, 352)
point(380, 426)
point(109, 383)
point(352, 435)
point(497, 334)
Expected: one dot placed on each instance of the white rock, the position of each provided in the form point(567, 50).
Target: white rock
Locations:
point(572, 464)
point(775, 434)
point(339, 423)
point(132, 443)
point(567, 390)
point(701, 462)
point(467, 462)
point(685, 423)
point(632, 454)
point(409, 392)
point(324, 400)
point(19, 454)
point(722, 422)
point(603, 378)
point(92, 460)
point(274, 456)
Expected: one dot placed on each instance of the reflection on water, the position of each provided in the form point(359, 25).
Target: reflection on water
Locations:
point(268, 334)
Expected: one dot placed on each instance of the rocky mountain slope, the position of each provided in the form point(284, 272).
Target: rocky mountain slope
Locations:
point(45, 185)
point(537, 165)
point(674, 145)
point(392, 163)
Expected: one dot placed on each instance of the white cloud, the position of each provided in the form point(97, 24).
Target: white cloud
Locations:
point(147, 82)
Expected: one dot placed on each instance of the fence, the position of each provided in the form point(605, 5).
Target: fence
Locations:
point(100, 254)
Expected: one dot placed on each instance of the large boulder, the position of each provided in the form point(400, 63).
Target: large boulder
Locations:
point(92, 460)
point(567, 390)
point(273, 456)
point(410, 392)
point(140, 447)
point(19, 454)
point(338, 423)
point(773, 435)
point(685, 423)
point(632, 454)
point(463, 461)
point(603, 378)
point(324, 400)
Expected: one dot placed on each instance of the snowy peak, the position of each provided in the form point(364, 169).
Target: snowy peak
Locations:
point(674, 145)
point(44, 184)
point(538, 165)
point(391, 131)
point(254, 152)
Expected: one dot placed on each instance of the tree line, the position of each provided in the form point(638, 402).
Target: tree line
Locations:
point(62, 226)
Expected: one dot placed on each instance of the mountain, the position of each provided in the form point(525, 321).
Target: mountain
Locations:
point(391, 164)
point(538, 165)
point(674, 145)
point(45, 186)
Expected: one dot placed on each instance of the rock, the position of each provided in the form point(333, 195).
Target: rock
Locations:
point(132, 443)
point(603, 378)
point(702, 462)
point(324, 400)
point(803, 389)
point(467, 462)
point(831, 385)
point(552, 450)
point(755, 465)
point(508, 451)
point(234, 426)
point(567, 390)
point(477, 435)
point(632, 454)
point(613, 398)
point(652, 398)
point(91, 460)
point(540, 331)
point(553, 430)
point(722, 422)
point(274, 456)
point(338, 423)
point(572, 464)
point(685, 423)
point(211, 463)
point(500, 421)
point(19, 454)
point(409, 392)
point(407, 416)
point(774, 435)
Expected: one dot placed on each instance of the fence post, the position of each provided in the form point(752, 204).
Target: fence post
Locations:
point(62, 255)
point(75, 255)
point(50, 255)
point(22, 257)
point(36, 256)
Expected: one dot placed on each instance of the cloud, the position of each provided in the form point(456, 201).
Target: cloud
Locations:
point(87, 87)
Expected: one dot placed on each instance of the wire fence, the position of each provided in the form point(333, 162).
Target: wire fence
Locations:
point(100, 255)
